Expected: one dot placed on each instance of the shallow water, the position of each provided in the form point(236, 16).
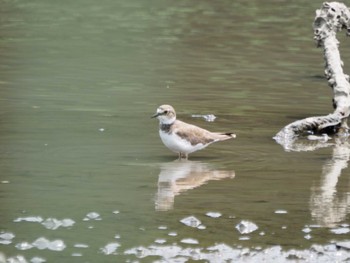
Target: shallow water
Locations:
point(84, 176)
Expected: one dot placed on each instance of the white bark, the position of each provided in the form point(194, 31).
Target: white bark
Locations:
point(331, 18)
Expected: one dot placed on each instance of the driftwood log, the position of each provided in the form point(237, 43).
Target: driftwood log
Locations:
point(330, 19)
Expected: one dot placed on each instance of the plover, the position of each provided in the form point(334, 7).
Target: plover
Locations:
point(184, 138)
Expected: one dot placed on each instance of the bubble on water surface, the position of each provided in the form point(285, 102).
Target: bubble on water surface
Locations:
point(79, 245)
point(53, 223)
point(168, 253)
point(67, 222)
point(340, 230)
point(246, 227)
point(92, 216)
point(56, 245)
point(280, 211)
point(6, 238)
point(43, 243)
point(225, 249)
point(17, 259)
point(160, 241)
point(207, 117)
point(189, 241)
point(32, 219)
point(116, 212)
point(24, 246)
point(191, 221)
point(173, 234)
point(110, 248)
point(306, 230)
point(5, 242)
point(162, 227)
point(308, 236)
point(314, 226)
point(244, 238)
point(37, 260)
point(213, 214)
point(225, 253)
point(76, 254)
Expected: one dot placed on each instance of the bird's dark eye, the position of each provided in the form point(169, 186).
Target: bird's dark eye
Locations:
point(166, 112)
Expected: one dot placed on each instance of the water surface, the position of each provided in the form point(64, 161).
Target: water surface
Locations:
point(79, 81)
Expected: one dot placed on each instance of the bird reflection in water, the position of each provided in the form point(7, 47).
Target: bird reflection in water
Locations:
point(182, 175)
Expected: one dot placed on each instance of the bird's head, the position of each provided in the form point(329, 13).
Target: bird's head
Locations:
point(165, 114)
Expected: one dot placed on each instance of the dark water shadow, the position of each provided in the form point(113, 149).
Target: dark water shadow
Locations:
point(182, 175)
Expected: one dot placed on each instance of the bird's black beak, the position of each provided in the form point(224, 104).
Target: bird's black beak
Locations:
point(155, 115)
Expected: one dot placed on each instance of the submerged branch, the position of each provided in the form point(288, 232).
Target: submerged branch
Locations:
point(331, 18)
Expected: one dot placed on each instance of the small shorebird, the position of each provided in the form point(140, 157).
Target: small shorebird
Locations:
point(184, 138)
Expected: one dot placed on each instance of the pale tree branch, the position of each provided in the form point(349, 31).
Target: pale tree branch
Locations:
point(331, 18)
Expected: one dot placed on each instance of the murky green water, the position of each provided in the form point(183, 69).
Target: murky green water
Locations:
point(79, 81)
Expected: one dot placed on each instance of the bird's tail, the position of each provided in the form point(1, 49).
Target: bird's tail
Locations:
point(225, 136)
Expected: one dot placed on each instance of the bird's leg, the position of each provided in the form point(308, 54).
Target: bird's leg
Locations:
point(183, 156)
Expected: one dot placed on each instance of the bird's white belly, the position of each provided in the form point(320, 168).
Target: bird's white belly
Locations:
point(177, 144)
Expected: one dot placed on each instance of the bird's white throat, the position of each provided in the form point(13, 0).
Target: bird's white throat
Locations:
point(166, 120)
